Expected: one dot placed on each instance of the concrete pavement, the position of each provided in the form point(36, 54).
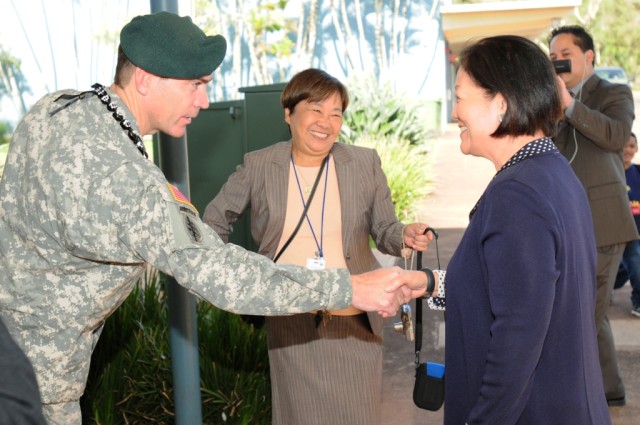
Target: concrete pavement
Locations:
point(459, 181)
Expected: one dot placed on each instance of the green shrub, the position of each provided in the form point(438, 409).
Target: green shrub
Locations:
point(407, 173)
point(5, 132)
point(380, 118)
point(377, 110)
point(130, 380)
point(234, 369)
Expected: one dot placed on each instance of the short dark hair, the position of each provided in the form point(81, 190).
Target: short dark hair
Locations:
point(523, 74)
point(581, 37)
point(313, 85)
point(124, 69)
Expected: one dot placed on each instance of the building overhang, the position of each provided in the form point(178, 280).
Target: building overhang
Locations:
point(463, 23)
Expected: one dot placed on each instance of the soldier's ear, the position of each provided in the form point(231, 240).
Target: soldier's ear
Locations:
point(142, 80)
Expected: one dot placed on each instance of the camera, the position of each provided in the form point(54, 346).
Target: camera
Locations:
point(562, 66)
point(405, 326)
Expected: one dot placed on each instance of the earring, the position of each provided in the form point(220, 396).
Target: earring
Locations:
point(500, 117)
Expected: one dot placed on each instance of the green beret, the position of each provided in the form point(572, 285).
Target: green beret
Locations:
point(171, 46)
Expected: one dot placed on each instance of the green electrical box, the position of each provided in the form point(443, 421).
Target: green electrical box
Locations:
point(220, 136)
point(264, 124)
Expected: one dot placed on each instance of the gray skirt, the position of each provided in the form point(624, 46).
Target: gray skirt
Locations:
point(325, 375)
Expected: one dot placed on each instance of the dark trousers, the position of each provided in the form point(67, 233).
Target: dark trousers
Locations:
point(608, 262)
point(20, 402)
point(629, 270)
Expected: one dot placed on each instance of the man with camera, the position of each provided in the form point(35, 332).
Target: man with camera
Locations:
point(596, 126)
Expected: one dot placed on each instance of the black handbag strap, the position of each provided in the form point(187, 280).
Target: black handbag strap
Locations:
point(418, 323)
point(304, 212)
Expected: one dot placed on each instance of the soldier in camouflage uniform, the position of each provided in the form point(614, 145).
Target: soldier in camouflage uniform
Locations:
point(82, 212)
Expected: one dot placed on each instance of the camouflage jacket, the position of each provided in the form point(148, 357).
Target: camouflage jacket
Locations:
point(81, 214)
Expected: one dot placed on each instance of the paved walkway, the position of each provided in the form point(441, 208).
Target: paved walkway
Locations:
point(459, 181)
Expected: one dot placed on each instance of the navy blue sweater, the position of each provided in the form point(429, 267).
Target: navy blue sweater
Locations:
point(520, 299)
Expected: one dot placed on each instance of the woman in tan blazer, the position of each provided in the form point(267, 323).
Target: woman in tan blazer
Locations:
point(326, 367)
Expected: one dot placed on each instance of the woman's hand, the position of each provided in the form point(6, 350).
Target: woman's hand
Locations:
point(414, 237)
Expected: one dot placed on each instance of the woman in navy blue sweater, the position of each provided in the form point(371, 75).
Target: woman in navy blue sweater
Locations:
point(520, 289)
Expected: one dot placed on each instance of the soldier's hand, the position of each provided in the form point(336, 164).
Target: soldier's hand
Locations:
point(371, 293)
point(385, 290)
point(408, 284)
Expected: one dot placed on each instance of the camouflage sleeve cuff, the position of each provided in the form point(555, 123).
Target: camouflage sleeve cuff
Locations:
point(339, 296)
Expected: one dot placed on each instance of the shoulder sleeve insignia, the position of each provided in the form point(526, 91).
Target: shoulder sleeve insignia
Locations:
point(192, 229)
point(179, 197)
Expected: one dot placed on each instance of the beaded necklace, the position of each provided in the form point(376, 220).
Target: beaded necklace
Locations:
point(104, 97)
point(101, 92)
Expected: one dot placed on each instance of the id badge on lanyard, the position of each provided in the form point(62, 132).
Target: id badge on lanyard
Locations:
point(316, 263)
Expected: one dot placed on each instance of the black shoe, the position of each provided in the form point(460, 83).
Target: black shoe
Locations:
point(616, 401)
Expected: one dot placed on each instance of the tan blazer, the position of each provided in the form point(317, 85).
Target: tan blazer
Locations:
point(602, 117)
point(261, 183)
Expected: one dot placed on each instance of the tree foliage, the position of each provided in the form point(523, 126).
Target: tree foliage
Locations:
point(615, 28)
point(5, 132)
point(269, 40)
point(12, 82)
point(260, 41)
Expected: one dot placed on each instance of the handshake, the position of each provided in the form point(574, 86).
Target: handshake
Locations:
point(385, 290)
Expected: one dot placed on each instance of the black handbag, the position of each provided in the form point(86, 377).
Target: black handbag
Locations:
point(428, 390)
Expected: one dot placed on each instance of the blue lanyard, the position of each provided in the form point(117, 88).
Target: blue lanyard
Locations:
point(304, 205)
